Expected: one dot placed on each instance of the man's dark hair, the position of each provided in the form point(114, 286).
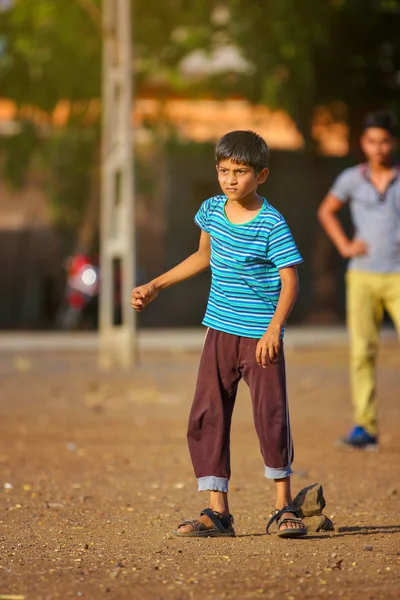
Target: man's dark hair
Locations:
point(382, 119)
point(243, 147)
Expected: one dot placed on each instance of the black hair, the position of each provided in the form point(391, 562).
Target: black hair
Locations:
point(243, 147)
point(382, 119)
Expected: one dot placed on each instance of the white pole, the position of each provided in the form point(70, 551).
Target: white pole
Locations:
point(117, 231)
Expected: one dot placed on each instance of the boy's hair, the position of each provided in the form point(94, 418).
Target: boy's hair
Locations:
point(382, 119)
point(243, 147)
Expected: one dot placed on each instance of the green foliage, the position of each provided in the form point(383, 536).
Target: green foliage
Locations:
point(69, 157)
point(320, 52)
point(17, 152)
point(278, 37)
point(166, 33)
point(301, 54)
point(50, 51)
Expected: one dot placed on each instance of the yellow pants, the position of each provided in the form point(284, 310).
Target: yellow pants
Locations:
point(368, 294)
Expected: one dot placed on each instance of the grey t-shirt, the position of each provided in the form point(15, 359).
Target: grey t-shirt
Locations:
point(376, 218)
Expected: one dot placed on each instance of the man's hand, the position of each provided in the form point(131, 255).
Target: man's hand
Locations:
point(353, 248)
point(269, 345)
point(327, 215)
point(143, 295)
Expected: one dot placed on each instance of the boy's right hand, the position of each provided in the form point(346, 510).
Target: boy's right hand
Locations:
point(143, 295)
point(355, 247)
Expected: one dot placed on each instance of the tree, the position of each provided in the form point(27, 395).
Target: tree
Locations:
point(320, 52)
point(301, 56)
point(51, 51)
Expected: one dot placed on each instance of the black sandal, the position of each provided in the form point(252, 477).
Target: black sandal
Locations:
point(292, 532)
point(222, 526)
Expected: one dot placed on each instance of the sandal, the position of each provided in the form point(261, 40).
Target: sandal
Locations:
point(222, 526)
point(292, 532)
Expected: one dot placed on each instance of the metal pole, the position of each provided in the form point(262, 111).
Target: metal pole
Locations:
point(117, 231)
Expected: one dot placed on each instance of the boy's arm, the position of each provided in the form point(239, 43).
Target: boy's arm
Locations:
point(193, 265)
point(327, 215)
point(269, 345)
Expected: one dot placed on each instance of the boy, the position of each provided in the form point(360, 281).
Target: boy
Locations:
point(373, 277)
point(254, 286)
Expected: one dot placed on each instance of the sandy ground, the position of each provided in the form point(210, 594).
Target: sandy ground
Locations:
point(95, 473)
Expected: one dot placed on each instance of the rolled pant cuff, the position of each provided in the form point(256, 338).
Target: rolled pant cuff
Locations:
point(271, 473)
point(212, 484)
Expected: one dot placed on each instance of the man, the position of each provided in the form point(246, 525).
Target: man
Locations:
point(373, 276)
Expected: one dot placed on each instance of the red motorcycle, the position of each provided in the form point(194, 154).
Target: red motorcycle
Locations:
point(83, 284)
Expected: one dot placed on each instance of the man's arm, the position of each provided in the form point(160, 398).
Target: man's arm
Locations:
point(269, 345)
point(327, 216)
point(192, 266)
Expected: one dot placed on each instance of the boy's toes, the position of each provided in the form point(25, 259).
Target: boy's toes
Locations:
point(185, 528)
point(290, 524)
point(192, 526)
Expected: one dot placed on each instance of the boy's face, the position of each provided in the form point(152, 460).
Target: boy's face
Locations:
point(238, 181)
point(378, 145)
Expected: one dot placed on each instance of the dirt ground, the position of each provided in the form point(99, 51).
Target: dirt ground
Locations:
point(95, 473)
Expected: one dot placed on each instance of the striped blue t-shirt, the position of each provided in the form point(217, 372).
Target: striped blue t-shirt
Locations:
point(245, 263)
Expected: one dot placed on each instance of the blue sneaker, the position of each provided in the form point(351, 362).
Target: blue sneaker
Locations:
point(359, 438)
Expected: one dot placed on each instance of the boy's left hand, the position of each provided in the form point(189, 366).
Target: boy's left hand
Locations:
point(268, 347)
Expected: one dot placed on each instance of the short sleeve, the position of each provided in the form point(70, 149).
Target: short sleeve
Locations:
point(282, 250)
point(202, 216)
point(343, 186)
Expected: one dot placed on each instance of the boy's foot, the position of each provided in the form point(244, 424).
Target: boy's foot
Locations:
point(210, 524)
point(288, 523)
point(359, 438)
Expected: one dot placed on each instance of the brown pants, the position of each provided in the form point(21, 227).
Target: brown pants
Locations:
point(225, 360)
